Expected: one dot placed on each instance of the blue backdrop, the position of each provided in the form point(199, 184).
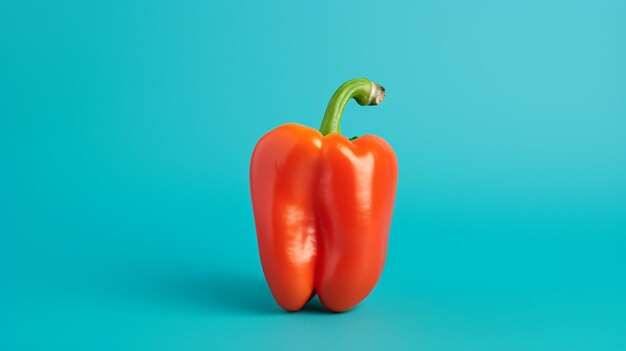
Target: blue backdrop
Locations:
point(127, 128)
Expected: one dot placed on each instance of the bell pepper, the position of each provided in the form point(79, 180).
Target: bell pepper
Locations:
point(323, 205)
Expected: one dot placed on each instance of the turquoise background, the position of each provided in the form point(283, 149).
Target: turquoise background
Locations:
point(126, 132)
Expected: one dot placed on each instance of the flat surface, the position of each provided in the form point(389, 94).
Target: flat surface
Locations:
point(125, 137)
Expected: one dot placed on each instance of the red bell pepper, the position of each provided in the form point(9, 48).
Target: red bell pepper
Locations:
point(322, 206)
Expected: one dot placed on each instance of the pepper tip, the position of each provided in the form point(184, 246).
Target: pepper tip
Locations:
point(377, 95)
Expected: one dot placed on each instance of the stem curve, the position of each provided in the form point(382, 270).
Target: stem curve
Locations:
point(364, 91)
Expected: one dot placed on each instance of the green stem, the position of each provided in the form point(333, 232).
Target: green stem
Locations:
point(364, 91)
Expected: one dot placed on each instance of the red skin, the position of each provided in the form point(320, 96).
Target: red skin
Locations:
point(323, 209)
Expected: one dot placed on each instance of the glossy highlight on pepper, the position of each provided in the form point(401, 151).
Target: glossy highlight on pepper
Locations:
point(323, 205)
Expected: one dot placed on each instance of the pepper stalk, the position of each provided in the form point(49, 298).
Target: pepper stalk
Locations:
point(364, 91)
